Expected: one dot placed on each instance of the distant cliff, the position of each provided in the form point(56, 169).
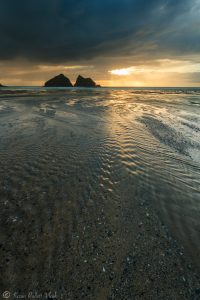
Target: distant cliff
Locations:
point(85, 82)
point(58, 81)
point(1, 85)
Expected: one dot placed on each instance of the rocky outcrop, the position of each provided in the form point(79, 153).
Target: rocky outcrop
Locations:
point(1, 85)
point(59, 81)
point(85, 82)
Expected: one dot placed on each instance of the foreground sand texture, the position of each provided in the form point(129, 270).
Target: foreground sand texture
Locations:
point(97, 201)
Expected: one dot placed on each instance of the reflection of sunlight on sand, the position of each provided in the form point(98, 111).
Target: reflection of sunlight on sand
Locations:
point(70, 102)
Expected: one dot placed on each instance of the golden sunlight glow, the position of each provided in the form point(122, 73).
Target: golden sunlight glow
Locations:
point(159, 72)
point(122, 72)
point(162, 72)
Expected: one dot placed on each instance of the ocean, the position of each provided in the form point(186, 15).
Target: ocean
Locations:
point(79, 168)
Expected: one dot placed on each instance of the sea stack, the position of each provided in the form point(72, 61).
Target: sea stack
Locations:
point(58, 81)
point(85, 82)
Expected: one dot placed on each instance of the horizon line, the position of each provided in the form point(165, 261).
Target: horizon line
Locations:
point(40, 86)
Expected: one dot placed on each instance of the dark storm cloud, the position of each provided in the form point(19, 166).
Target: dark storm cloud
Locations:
point(65, 30)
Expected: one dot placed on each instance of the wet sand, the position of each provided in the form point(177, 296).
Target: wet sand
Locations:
point(81, 203)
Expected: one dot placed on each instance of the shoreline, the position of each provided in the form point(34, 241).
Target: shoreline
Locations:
point(78, 216)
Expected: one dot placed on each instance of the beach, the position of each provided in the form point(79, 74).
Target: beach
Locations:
point(100, 193)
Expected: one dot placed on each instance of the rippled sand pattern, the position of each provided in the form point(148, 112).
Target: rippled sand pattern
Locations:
point(95, 186)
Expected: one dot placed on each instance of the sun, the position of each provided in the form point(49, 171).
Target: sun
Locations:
point(122, 72)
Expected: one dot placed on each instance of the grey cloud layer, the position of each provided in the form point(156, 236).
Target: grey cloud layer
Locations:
point(67, 30)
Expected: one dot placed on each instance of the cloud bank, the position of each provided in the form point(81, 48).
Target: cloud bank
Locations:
point(67, 30)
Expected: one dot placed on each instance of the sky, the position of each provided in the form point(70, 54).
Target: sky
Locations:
point(116, 42)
